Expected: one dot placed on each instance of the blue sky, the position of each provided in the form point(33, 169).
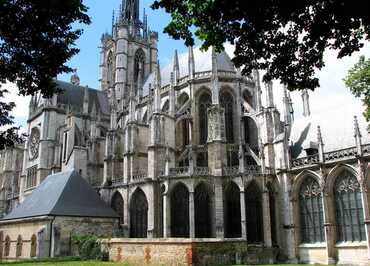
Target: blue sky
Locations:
point(87, 61)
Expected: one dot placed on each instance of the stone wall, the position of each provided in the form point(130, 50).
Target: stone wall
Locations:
point(181, 251)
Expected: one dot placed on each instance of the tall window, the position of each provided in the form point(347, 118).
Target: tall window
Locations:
point(232, 215)
point(349, 212)
point(204, 102)
point(253, 212)
point(311, 212)
point(227, 104)
point(202, 212)
point(139, 67)
point(31, 177)
point(110, 70)
point(138, 215)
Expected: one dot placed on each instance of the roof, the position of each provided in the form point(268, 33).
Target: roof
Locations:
point(63, 194)
point(337, 130)
point(73, 95)
point(202, 60)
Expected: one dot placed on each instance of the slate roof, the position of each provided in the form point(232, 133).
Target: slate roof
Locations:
point(63, 194)
point(202, 60)
point(73, 95)
point(337, 130)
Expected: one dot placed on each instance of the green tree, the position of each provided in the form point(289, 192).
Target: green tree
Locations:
point(285, 38)
point(36, 40)
point(358, 81)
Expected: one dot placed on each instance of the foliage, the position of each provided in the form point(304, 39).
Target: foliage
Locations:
point(285, 38)
point(358, 81)
point(36, 40)
point(89, 247)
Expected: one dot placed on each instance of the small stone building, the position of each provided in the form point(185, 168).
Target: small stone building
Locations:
point(43, 225)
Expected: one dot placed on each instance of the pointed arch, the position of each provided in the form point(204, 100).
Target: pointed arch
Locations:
point(202, 212)
point(166, 107)
point(7, 246)
point(348, 208)
point(253, 210)
point(205, 101)
point(336, 171)
point(18, 252)
point(33, 250)
point(227, 102)
point(311, 214)
point(118, 206)
point(138, 214)
point(180, 211)
point(139, 67)
point(232, 214)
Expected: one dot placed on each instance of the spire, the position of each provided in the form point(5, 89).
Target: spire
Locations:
point(75, 79)
point(191, 62)
point(113, 22)
point(172, 97)
point(130, 10)
point(321, 145)
point(215, 88)
point(269, 94)
point(358, 137)
point(306, 104)
point(287, 116)
point(176, 68)
point(256, 76)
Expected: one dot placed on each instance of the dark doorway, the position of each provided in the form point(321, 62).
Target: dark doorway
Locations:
point(180, 211)
point(138, 215)
point(117, 205)
point(232, 211)
point(202, 205)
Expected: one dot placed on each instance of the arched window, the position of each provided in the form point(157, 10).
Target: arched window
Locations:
point(205, 101)
point(166, 107)
point(139, 64)
point(117, 205)
point(33, 246)
point(180, 211)
point(145, 117)
point(253, 212)
point(311, 212)
point(110, 69)
point(7, 246)
point(202, 205)
point(227, 103)
point(348, 205)
point(138, 215)
point(232, 215)
point(18, 252)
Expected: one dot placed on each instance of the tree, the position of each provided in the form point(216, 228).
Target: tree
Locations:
point(36, 40)
point(358, 81)
point(285, 38)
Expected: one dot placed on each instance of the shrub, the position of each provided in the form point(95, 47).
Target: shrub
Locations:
point(89, 247)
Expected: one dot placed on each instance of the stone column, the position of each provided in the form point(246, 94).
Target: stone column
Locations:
point(329, 229)
point(219, 209)
point(191, 215)
point(266, 217)
point(243, 214)
point(365, 202)
point(166, 216)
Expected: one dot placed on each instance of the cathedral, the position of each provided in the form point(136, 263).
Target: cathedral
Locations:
point(197, 151)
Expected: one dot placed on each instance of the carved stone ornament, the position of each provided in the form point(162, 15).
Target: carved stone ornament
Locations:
point(34, 143)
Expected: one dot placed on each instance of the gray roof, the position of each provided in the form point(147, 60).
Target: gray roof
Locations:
point(73, 95)
point(337, 130)
point(63, 194)
point(202, 60)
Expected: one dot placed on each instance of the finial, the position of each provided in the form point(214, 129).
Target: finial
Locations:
point(357, 127)
point(176, 68)
point(306, 104)
point(319, 136)
point(191, 63)
point(214, 61)
point(75, 79)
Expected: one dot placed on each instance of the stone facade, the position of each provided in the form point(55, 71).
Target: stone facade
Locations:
point(198, 150)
